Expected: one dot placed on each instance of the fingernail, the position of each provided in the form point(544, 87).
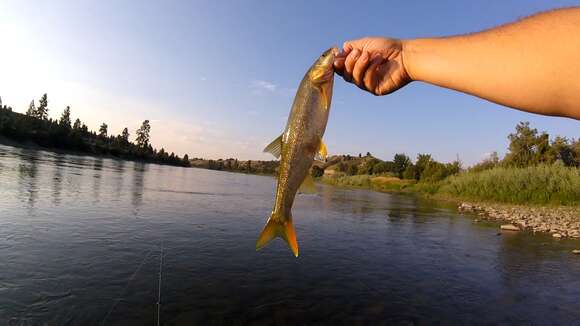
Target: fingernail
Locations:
point(355, 53)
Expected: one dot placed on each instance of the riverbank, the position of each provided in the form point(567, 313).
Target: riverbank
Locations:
point(33, 146)
point(559, 220)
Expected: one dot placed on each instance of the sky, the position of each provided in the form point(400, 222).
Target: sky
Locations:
point(217, 78)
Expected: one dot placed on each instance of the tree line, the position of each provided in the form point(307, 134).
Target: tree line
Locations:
point(36, 126)
point(527, 147)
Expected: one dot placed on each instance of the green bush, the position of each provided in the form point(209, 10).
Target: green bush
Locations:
point(541, 184)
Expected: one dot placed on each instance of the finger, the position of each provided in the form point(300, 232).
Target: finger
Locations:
point(372, 77)
point(359, 69)
point(349, 64)
point(339, 64)
point(347, 47)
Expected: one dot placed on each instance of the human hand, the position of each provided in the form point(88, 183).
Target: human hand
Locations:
point(374, 64)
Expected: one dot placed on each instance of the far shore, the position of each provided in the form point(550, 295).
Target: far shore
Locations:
point(33, 146)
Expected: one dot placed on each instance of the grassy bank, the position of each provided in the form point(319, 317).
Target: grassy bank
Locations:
point(543, 184)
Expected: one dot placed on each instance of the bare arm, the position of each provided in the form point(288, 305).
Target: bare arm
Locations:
point(531, 65)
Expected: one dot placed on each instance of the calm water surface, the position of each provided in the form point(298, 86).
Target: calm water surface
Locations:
point(81, 240)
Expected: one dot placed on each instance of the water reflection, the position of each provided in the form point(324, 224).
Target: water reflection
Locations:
point(138, 183)
point(97, 174)
point(28, 170)
point(59, 162)
point(119, 169)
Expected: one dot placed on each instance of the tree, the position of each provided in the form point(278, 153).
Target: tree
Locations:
point(488, 163)
point(42, 110)
point(563, 151)
point(103, 130)
point(423, 160)
point(410, 172)
point(77, 125)
point(143, 134)
point(400, 163)
point(65, 118)
point(527, 147)
point(31, 112)
point(381, 167)
point(125, 135)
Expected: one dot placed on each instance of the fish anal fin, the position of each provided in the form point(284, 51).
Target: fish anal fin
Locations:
point(275, 147)
point(322, 152)
point(274, 228)
point(307, 186)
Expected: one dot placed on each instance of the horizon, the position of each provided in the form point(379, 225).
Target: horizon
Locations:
point(205, 74)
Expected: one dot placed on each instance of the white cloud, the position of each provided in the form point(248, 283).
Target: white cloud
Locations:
point(262, 85)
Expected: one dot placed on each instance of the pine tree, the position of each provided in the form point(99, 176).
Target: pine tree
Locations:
point(77, 124)
point(31, 112)
point(125, 135)
point(65, 118)
point(143, 134)
point(42, 110)
point(103, 130)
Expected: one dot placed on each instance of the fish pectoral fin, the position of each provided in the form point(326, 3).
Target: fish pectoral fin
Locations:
point(322, 153)
point(275, 147)
point(284, 230)
point(307, 186)
point(325, 98)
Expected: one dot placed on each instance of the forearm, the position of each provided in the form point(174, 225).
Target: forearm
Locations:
point(532, 65)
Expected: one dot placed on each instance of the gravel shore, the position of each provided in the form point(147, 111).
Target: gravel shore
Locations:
point(561, 222)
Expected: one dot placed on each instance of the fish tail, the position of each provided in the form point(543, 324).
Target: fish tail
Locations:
point(275, 228)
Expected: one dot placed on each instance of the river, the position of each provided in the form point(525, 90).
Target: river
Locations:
point(82, 238)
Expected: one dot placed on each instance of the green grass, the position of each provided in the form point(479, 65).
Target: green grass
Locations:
point(374, 182)
point(535, 185)
point(543, 184)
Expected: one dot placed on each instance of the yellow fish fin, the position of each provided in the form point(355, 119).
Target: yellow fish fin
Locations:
point(275, 228)
point(325, 98)
point(275, 147)
point(307, 186)
point(322, 153)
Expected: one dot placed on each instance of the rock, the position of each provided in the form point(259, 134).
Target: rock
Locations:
point(509, 227)
point(556, 235)
point(576, 251)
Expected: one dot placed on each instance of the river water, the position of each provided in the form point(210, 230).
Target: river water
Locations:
point(81, 242)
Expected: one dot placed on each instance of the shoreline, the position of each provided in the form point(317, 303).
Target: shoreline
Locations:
point(34, 146)
point(559, 221)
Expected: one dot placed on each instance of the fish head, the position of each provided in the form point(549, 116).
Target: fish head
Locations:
point(323, 69)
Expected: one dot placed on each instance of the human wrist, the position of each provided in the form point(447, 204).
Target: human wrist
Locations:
point(410, 51)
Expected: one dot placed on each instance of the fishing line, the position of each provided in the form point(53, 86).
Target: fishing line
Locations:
point(160, 277)
point(126, 286)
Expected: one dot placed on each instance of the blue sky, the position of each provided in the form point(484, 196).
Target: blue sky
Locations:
point(217, 79)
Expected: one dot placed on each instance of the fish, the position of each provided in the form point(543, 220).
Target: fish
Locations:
point(298, 146)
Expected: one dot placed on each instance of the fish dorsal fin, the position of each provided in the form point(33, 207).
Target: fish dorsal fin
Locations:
point(275, 147)
point(322, 153)
point(308, 186)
